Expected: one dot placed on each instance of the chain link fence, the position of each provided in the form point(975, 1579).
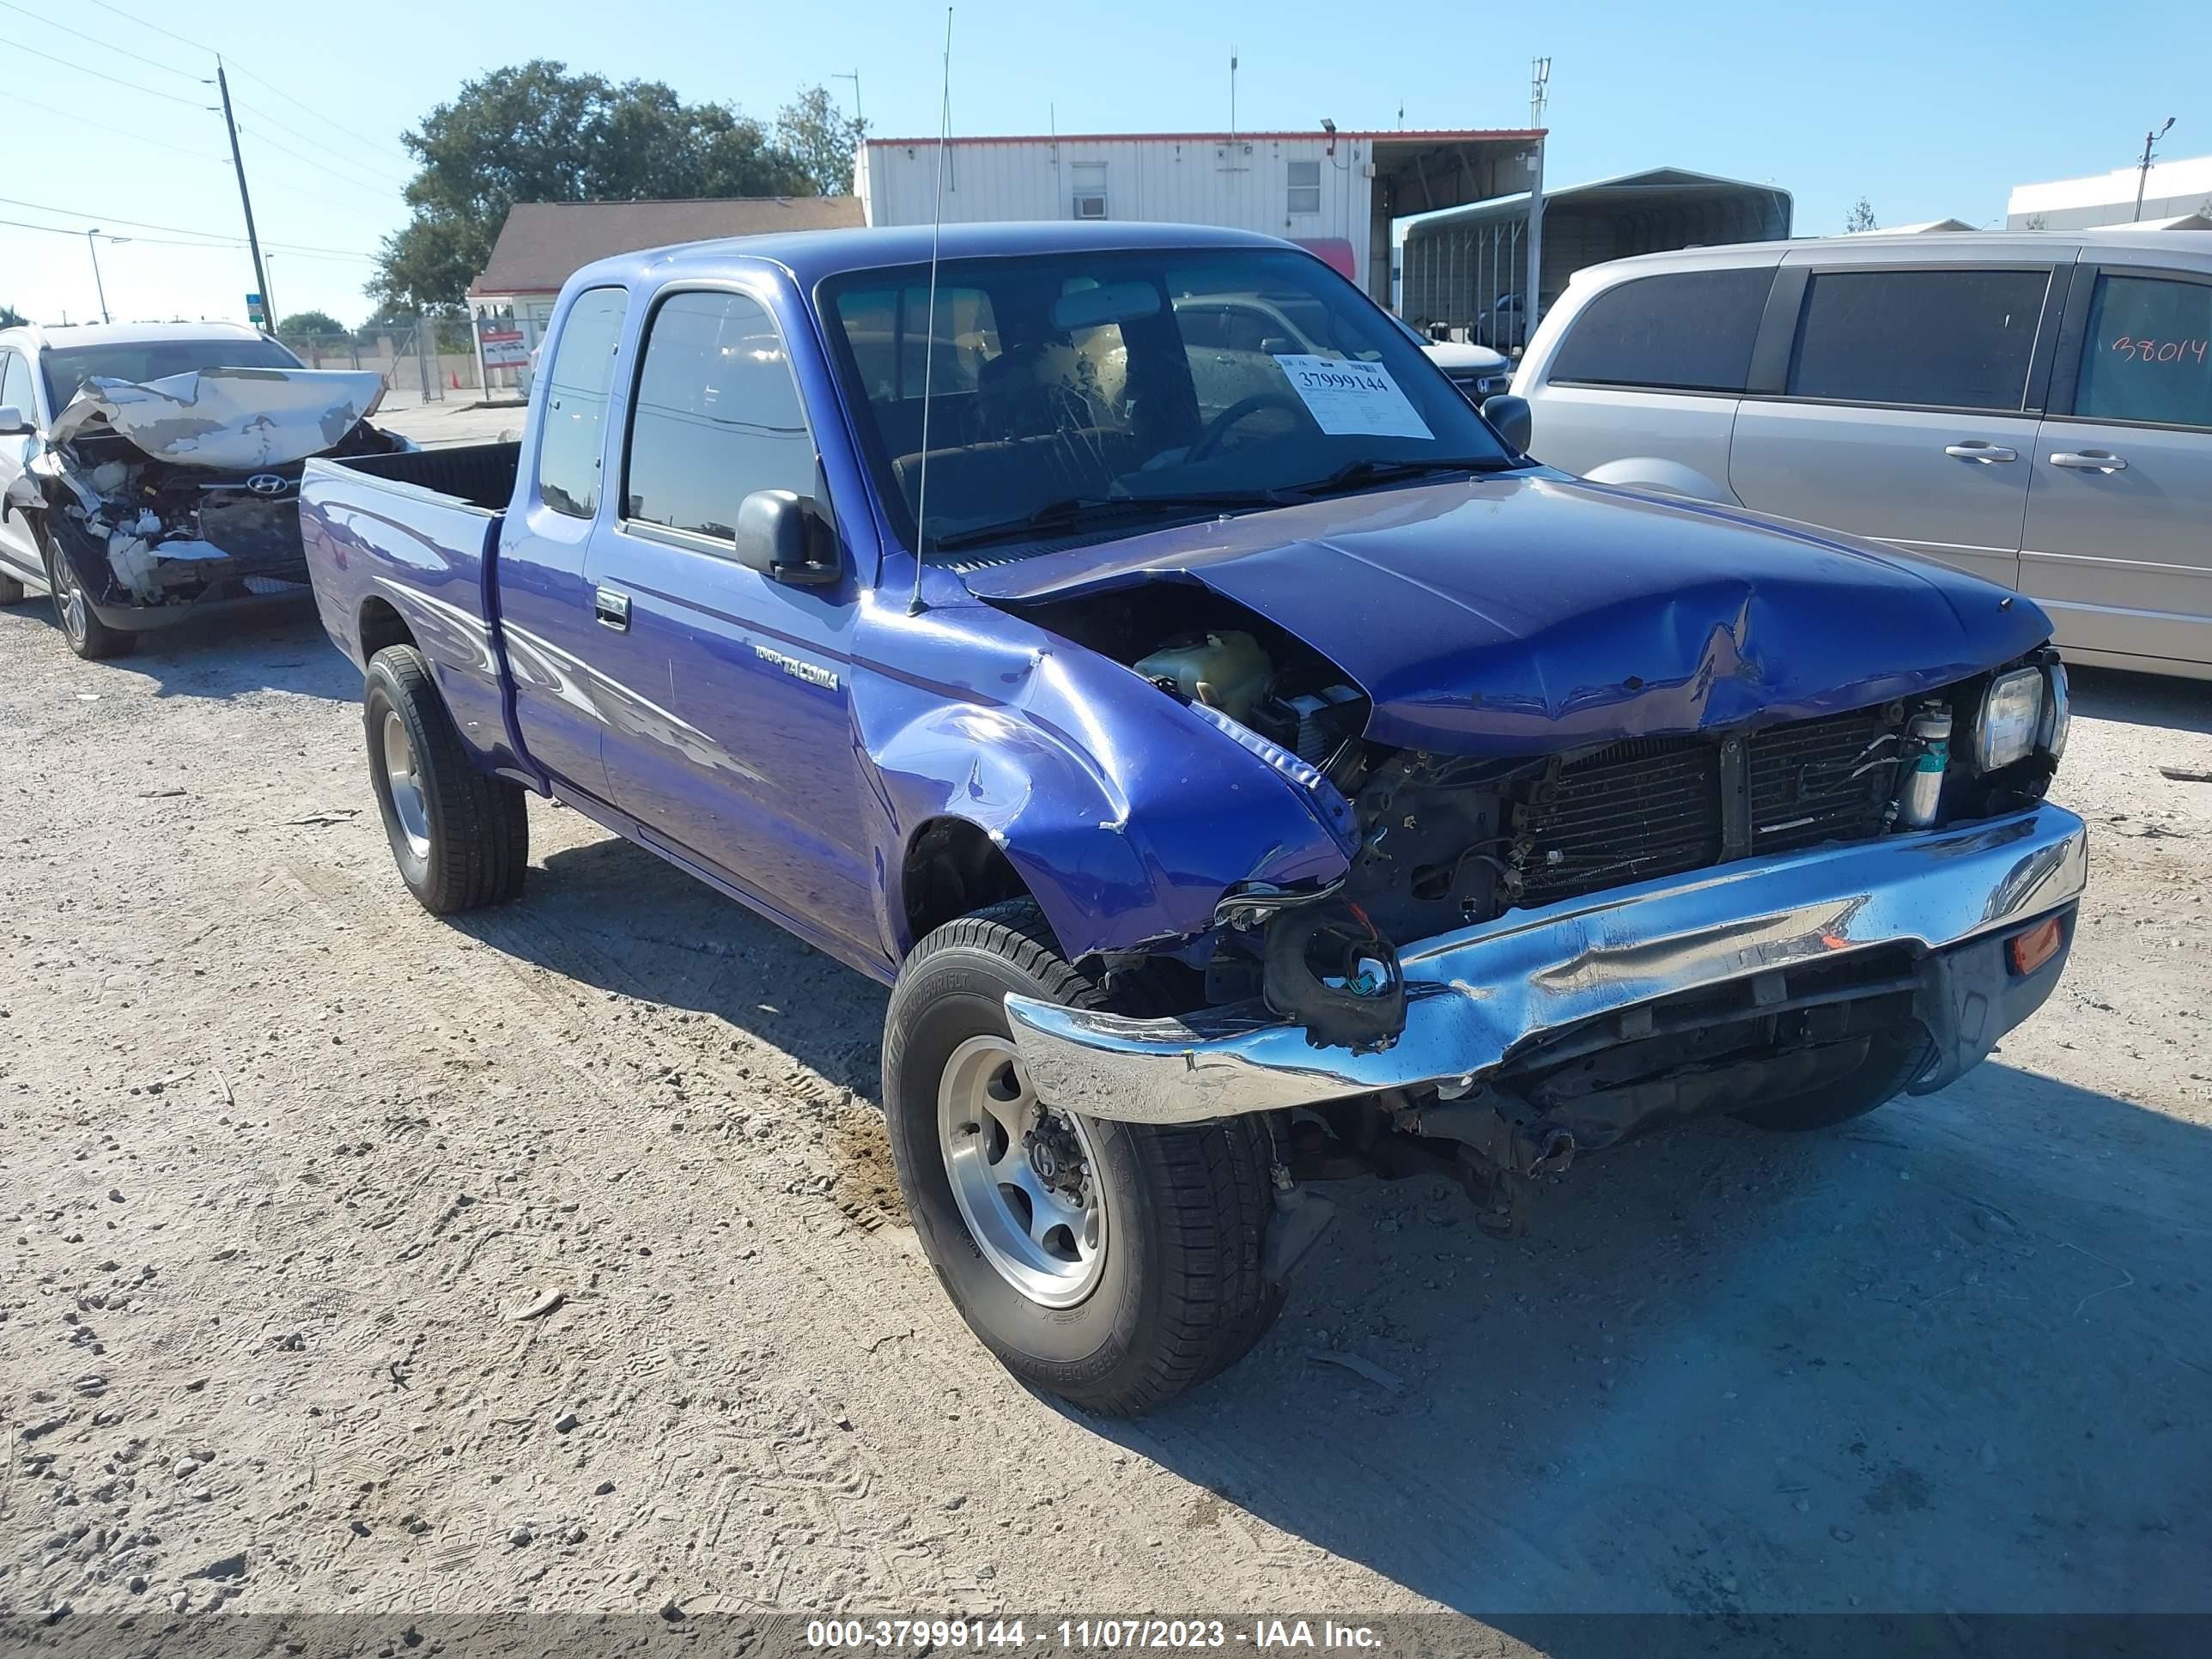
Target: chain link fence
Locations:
point(424, 360)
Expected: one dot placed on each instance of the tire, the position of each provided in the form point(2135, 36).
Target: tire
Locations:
point(1175, 1291)
point(89, 637)
point(1892, 1061)
point(11, 591)
point(460, 837)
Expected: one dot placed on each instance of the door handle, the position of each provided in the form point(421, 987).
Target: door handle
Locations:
point(2089, 460)
point(612, 609)
point(1976, 450)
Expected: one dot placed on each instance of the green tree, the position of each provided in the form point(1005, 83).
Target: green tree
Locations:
point(11, 317)
point(1861, 217)
point(537, 133)
point(822, 138)
point(320, 323)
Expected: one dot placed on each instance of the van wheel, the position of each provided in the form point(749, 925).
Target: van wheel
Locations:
point(1115, 1265)
point(89, 637)
point(460, 836)
point(1891, 1062)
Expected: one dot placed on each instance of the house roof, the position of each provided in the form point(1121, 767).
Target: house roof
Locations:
point(542, 243)
point(1655, 187)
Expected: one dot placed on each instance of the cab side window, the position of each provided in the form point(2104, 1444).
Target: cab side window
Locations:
point(2148, 354)
point(718, 416)
point(575, 420)
point(1934, 339)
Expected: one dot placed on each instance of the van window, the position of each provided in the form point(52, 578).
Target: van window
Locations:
point(1689, 330)
point(576, 402)
point(2149, 357)
point(1942, 339)
point(718, 416)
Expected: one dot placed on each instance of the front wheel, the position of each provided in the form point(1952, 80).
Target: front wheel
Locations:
point(89, 637)
point(460, 837)
point(1115, 1265)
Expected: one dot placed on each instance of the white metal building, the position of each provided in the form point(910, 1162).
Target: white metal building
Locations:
point(2173, 190)
point(1334, 191)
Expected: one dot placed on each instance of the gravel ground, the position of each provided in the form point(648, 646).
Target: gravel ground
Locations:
point(360, 1261)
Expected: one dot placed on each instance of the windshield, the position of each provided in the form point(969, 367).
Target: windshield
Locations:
point(1107, 391)
point(67, 368)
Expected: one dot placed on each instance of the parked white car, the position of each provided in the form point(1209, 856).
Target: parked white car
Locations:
point(2034, 407)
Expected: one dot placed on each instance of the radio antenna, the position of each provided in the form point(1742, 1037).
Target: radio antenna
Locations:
point(929, 337)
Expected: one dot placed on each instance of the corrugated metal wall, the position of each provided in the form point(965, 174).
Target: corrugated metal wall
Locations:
point(1242, 184)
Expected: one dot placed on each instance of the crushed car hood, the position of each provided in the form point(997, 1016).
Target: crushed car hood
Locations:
point(236, 418)
point(1535, 612)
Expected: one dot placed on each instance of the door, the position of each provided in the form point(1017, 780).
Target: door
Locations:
point(18, 554)
point(2118, 547)
point(732, 741)
point(561, 700)
point(1905, 414)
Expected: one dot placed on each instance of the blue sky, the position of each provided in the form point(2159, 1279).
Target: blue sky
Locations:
point(1928, 111)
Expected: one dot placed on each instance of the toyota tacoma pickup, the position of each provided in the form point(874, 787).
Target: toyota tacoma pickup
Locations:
point(1245, 768)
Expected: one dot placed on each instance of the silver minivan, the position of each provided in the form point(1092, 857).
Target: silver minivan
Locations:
point(2034, 407)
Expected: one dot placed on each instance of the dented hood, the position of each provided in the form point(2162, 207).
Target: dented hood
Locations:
point(232, 418)
point(1532, 613)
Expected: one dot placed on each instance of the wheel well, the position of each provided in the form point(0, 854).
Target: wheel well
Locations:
point(951, 868)
point(382, 625)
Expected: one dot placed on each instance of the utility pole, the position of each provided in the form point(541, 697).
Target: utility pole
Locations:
point(253, 242)
point(1539, 80)
point(854, 78)
point(99, 287)
point(2142, 173)
point(1232, 91)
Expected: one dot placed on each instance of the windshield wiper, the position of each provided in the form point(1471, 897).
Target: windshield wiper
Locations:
point(1070, 511)
point(1354, 475)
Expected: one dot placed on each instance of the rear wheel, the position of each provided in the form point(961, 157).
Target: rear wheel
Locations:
point(89, 637)
point(11, 591)
point(461, 838)
point(1892, 1061)
point(1115, 1265)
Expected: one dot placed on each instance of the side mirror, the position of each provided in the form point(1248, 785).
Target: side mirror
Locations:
point(1512, 417)
point(780, 534)
point(13, 422)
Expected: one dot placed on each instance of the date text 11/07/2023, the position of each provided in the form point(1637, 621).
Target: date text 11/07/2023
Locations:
point(1085, 1635)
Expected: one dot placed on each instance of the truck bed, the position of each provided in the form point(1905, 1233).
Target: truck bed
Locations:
point(399, 549)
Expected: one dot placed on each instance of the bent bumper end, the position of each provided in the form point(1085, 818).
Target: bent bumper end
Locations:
point(1476, 996)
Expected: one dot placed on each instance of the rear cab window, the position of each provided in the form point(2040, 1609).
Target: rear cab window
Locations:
point(2147, 356)
point(717, 417)
point(1684, 331)
point(1943, 338)
point(577, 386)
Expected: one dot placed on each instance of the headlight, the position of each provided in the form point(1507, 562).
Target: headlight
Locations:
point(2012, 716)
point(2057, 712)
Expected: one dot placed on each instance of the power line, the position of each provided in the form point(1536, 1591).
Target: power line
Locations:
point(337, 159)
point(101, 75)
point(182, 230)
point(120, 132)
point(201, 46)
point(105, 46)
point(229, 245)
point(387, 193)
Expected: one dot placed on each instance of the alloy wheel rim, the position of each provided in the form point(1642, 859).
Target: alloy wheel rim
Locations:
point(69, 598)
point(1026, 1179)
point(405, 785)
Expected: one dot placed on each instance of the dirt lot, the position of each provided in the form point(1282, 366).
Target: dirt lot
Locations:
point(288, 1166)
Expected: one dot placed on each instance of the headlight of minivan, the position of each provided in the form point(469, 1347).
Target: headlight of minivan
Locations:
point(2011, 719)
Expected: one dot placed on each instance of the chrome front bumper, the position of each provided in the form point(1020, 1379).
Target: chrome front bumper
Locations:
point(1474, 996)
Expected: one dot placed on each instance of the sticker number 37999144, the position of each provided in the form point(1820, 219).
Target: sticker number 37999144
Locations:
point(2159, 351)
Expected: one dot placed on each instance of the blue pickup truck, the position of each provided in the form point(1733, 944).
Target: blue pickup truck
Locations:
point(1244, 764)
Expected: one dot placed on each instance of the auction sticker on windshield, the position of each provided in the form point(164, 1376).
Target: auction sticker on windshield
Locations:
point(1348, 399)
